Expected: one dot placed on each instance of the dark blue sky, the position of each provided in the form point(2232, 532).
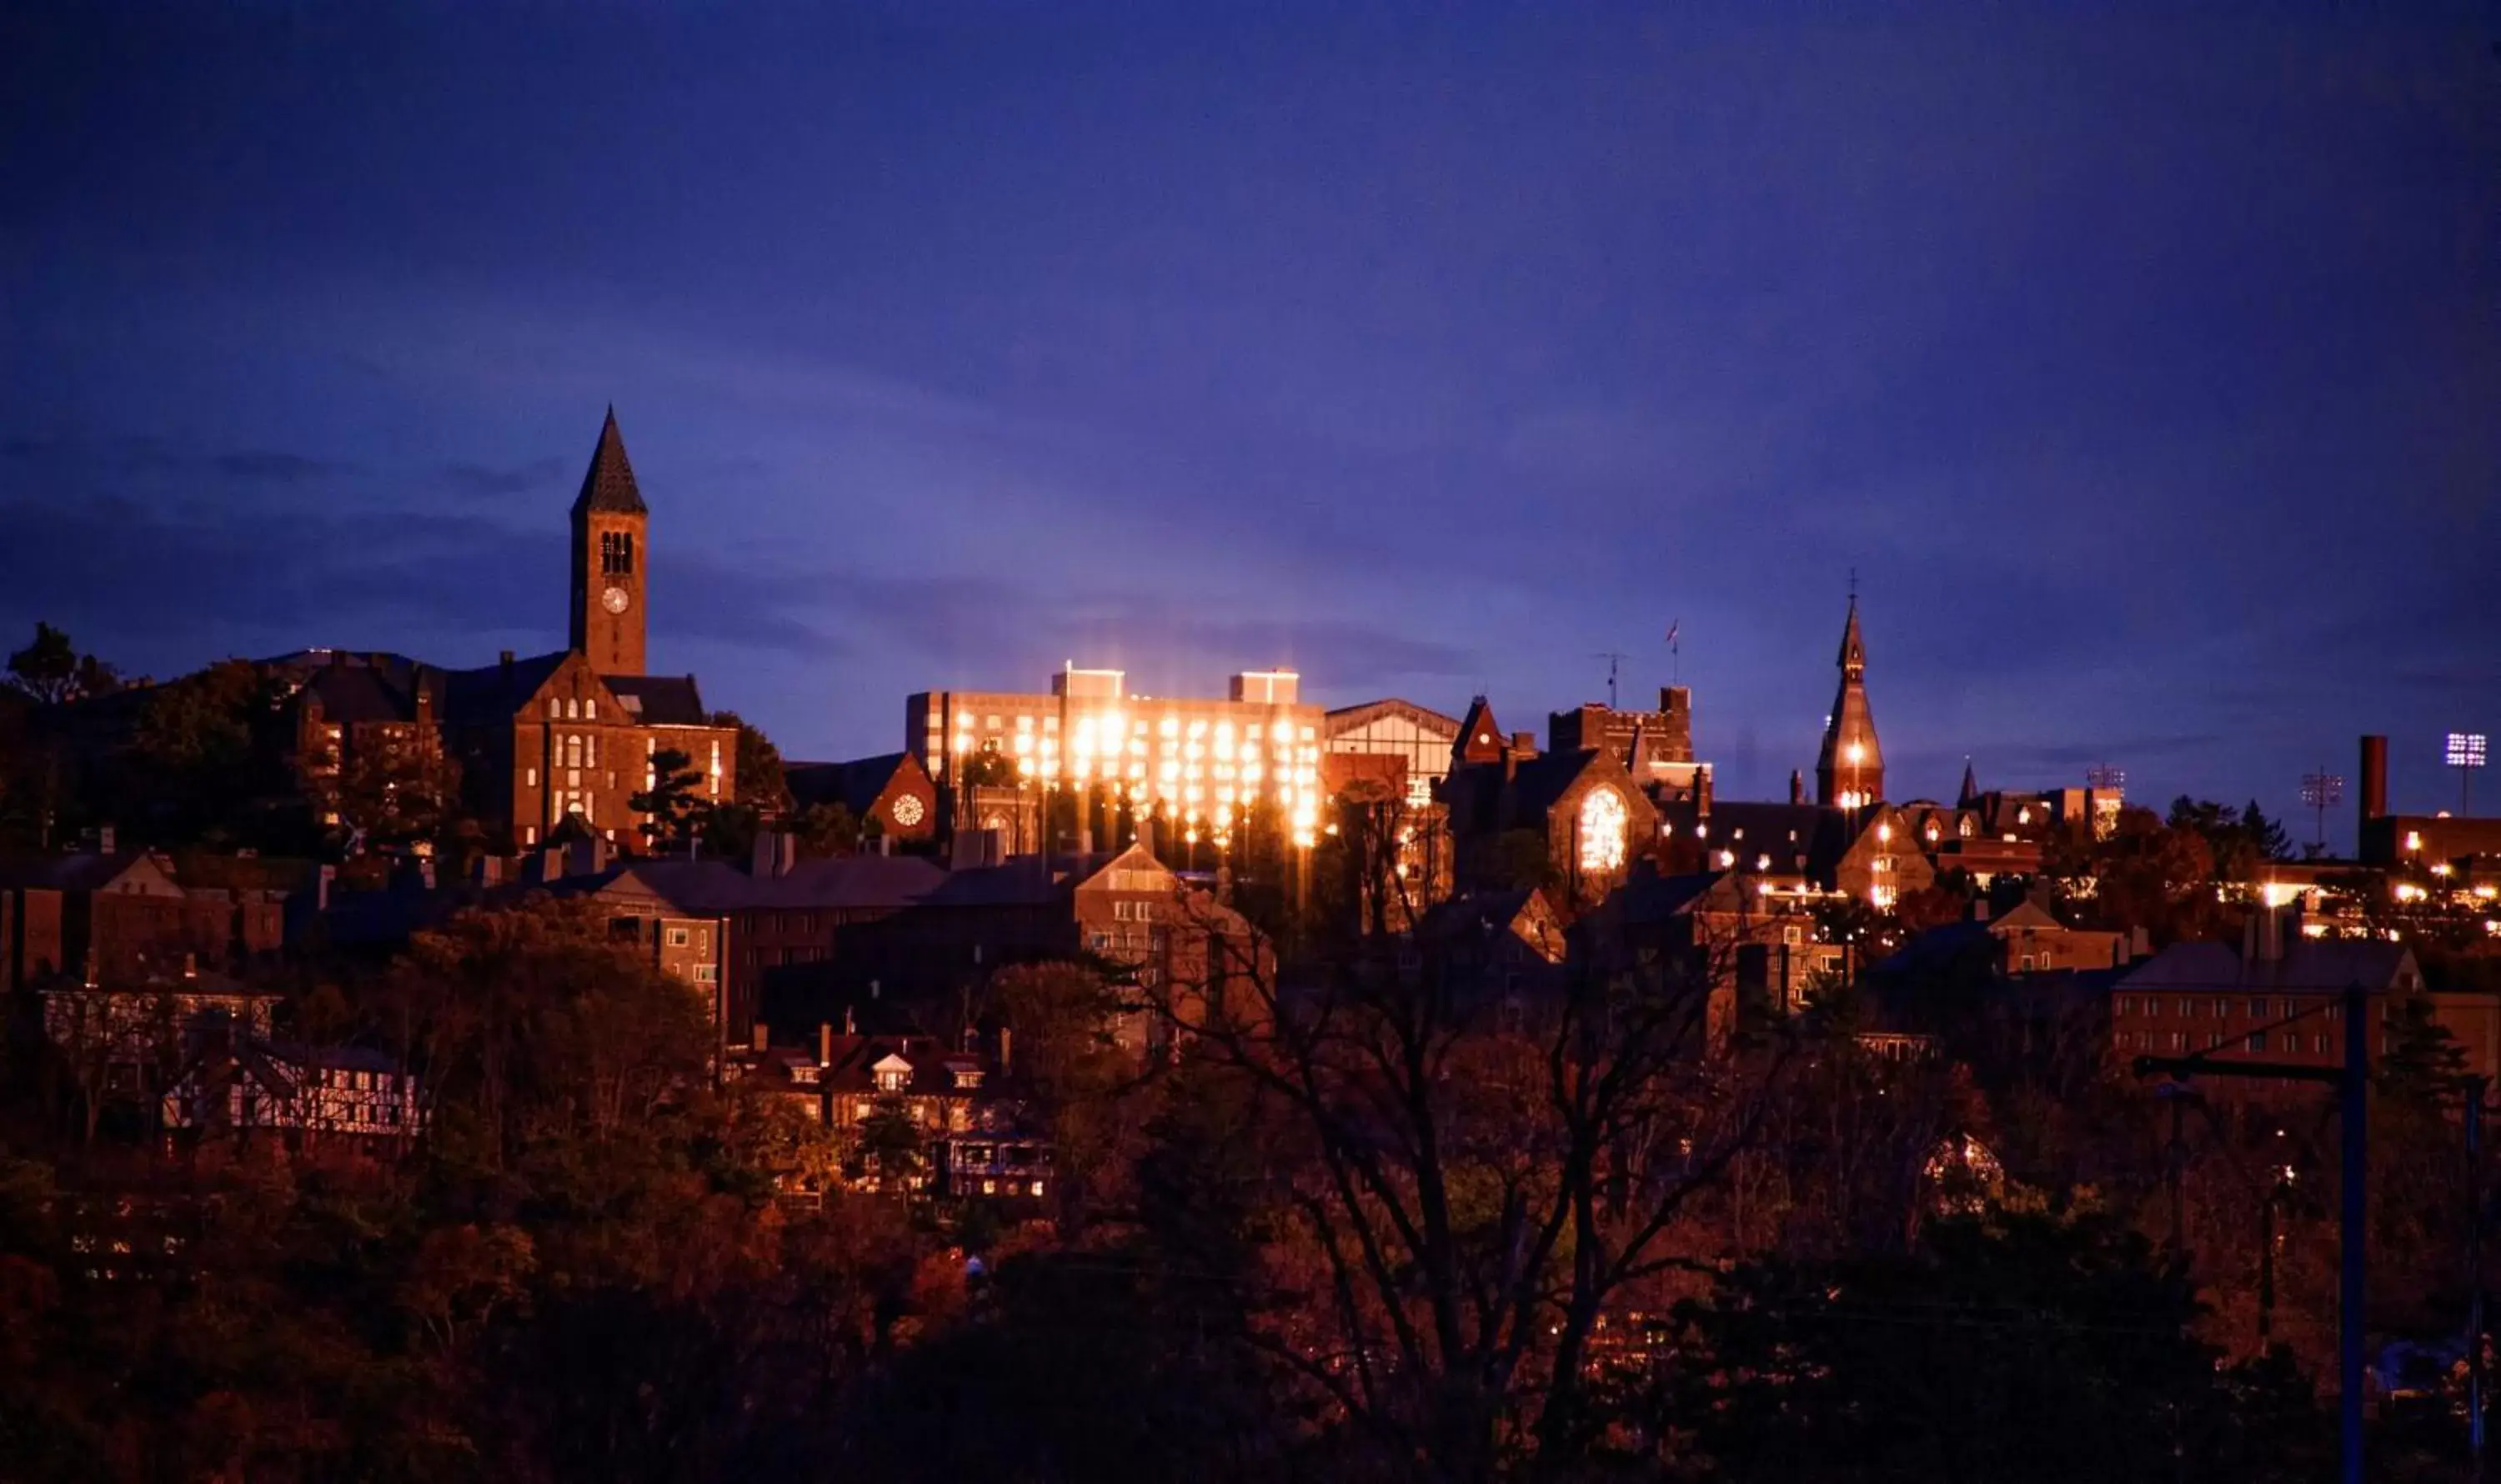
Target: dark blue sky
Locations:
point(2147, 368)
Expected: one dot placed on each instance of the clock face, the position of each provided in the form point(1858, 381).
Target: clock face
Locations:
point(907, 809)
point(615, 599)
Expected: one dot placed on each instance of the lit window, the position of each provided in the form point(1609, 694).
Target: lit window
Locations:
point(591, 711)
point(1603, 822)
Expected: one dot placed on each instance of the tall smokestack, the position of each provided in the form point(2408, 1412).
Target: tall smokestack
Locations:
point(2374, 778)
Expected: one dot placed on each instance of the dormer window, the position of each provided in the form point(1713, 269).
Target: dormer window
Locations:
point(968, 1076)
point(891, 1079)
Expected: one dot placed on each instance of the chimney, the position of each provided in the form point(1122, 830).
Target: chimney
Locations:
point(191, 965)
point(824, 1043)
point(2374, 781)
point(1797, 786)
point(323, 881)
point(551, 864)
point(2139, 943)
point(851, 1022)
point(1147, 834)
point(1005, 1050)
point(785, 852)
point(506, 658)
point(1979, 909)
point(104, 839)
point(763, 858)
point(763, 1036)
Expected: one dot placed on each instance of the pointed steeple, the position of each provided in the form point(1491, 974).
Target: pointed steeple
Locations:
point(1849, 771)
point(1853, 650)
point(609, 488)
point(1969, 788)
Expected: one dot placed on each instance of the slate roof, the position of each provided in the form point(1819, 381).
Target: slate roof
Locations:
point(1807, 838)
point(85, 871)
point(608, 487)
point(659, 700)
point(493, 692)
point(359, 694)
point(2307, 964)
point(714, 887)
point(854, 785)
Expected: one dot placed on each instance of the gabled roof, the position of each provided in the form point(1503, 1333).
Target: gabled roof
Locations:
point(659, 700)
point(85, 871)
point(1346, 718)
point(1480, 738)
point(855, 784)
point(607, 488)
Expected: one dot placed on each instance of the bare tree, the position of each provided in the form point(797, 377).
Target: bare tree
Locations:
point(1476, 1185)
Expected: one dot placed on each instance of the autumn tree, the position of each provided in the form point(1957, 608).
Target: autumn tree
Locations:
point(391, 796)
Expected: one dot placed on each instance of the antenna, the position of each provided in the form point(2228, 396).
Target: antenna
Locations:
point(2322, 791)
point(1675, 653)
point(1614, 661)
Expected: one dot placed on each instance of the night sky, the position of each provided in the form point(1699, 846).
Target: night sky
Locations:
point(2147, 370)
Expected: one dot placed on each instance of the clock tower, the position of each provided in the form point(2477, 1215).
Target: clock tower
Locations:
point(609, 523)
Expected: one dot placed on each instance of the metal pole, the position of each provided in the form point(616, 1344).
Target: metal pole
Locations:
point(2475, 1087)
point(2354, 1223)
point(2266, 1268)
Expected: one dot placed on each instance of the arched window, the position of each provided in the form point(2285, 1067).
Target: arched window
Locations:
point(1603, 822)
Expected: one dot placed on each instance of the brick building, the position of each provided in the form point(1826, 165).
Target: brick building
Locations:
point(541, 740)
point(108, 918)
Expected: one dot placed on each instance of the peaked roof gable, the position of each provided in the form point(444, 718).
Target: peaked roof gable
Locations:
point(1481, 738)
point(607, 488)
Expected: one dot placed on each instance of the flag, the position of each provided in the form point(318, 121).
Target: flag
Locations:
point(1672, 631)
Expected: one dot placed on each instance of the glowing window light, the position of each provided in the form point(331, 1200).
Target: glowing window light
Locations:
point(1224, 736)
point(1137, 770)
point(1857, 752)
point(1252, 732)
point(1884, 831)
point(1168, 771)
point(1197, 729)
point(1024, 746)
point(1727, 858)
point(1169, 726)
point(1603, 822)
point(1137, 748)
point(2414, 839)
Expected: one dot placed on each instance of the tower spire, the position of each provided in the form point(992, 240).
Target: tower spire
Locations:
point(1849, 771)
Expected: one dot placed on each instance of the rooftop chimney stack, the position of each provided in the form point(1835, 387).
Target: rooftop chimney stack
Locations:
point(824, 1043)
point(2374, 779)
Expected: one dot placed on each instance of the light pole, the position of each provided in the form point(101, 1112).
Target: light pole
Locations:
point(2464, 753)
point(2322, 791)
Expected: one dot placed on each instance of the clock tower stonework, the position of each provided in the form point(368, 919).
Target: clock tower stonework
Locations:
point(609, 524)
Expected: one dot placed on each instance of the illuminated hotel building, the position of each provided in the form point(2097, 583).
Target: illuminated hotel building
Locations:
point(1195, 762)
